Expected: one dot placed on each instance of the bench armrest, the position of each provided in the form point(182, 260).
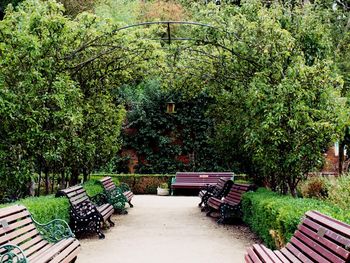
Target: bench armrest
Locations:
point(12, 253)
point(209, 188)
point(99, 199)
point(55, 230)
point(117, 198)
point(125, 187)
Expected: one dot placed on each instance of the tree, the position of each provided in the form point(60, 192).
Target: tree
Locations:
point(272, 72)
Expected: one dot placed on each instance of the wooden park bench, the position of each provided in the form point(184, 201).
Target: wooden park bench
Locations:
point(319, 238)
point(117, 196)
point(197, 180)
point(230, 205)
point(23, 240)
point(85, 215)
point(219, 190)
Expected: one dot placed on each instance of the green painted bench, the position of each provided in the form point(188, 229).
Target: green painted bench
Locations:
point(24, 240)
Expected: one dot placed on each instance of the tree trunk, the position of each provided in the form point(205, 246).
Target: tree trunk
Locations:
point(341, 157)
point(85, 174)
point(39, 182)
point(74, 176)
point(53, 183)
point(47, 183)
point(63, 181)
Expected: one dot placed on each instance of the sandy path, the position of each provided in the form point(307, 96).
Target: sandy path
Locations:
point(167, 229)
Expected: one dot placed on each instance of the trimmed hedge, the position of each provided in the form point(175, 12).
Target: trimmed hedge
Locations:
point(45, 208)
point(274, 217)
point(139, 183)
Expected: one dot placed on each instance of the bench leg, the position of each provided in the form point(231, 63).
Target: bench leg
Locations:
point(201, 203)
point(204, 208)
point(73, 260)
point(223, 214)
point(123, 212)
point(98, 231)
point(209, 212)
point(110, 221)
point(130, 204)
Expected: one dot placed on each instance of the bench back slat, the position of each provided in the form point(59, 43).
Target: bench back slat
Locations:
point(322, 239)
point(17, 228)
point(199, 179)
point(236, 192)
point(76, 195)
point(209, 174)
point(108, 183)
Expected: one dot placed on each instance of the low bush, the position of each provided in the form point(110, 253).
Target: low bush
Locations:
point(274, 217)
point(314, 187)
point(339, 192)
point(93, 187)
point(45, 208)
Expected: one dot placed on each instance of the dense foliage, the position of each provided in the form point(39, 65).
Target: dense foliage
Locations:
point(262, 88)
point(166, 143)
point(275, 217)
point(276, 85)
point(56, 75)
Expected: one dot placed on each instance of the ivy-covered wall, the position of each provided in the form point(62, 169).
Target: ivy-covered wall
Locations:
point(165, 143)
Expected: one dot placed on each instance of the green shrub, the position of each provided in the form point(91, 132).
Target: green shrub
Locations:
point(45, 208)
point(314, 187)
point(274, 217)
point(339, 192)
point(93, 187)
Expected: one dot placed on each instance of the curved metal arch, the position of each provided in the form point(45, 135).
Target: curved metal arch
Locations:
point(165, 22)
point(168, 23)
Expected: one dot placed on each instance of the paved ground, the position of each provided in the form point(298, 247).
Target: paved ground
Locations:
point(167, 229)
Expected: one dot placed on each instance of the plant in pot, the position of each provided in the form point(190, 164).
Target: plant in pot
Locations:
point(163, 189)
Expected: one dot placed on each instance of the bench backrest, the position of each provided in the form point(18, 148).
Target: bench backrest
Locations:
point(107, 183)
point(236, 192)
point(322, 238)
point(201, 177)
point(222, 187)
point(76, 195)
point(18, 228)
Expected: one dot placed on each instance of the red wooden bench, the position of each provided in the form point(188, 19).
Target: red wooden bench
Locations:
point(85, 215)
point(23, 240)
point(113, 192)
point(197, 180)
point(219, 190)
point(230, 205)
point(319, 238)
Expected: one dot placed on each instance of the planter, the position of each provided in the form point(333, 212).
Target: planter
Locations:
point(162, 191)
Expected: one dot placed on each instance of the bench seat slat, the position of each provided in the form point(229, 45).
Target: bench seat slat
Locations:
point(68, 254)
point(41, 245)
point(50, 251)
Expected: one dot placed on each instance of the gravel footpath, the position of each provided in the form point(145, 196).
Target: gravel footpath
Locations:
point(167, 229)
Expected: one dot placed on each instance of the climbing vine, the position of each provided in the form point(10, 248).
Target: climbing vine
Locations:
point(166, 143)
